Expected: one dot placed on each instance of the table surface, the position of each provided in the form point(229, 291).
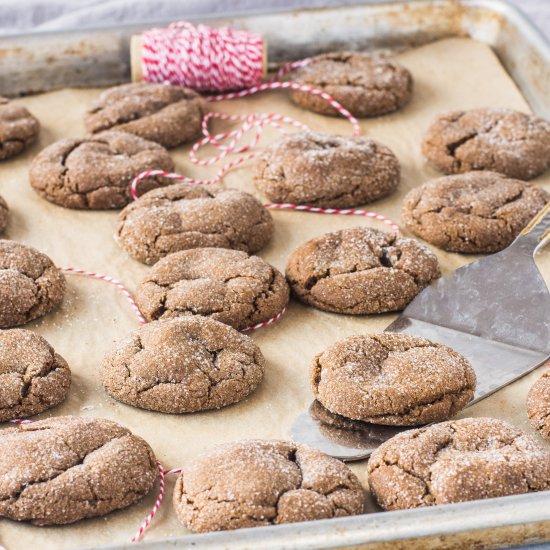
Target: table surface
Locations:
point(26, 15)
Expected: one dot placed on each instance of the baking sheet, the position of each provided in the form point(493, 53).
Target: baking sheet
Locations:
point(449, 74)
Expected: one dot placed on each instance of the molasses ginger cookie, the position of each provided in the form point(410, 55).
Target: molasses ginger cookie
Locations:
point(33, 377)
point(506, 141)
point(253, 483)
point(457, 461)
point(476, 212)
point(392, 379)
point(18, 128)
point(360, 271)
point(96, 172)
point(69, 468)
point(4, 214)
point(227, 285)
point(169, 115)
point(183, 365)
point(366, 85)
point(538, 404)
point(30, 284)
point(184, 216)
point(327, 171)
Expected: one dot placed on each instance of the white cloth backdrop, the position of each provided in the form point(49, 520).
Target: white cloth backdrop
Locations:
point(26, 15)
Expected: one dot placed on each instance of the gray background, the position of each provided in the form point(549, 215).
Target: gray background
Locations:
point(26, 15)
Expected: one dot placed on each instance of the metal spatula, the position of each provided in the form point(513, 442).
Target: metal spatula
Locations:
point(494, 311)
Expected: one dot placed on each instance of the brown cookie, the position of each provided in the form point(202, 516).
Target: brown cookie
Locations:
point(69, 468)
point(96, 172)
point(326, 170)
point(392, 379)
point(360, 271)
point(538, 404)
point(183, 365)
point(227, 285)
point(4, 214)
point(18, 128)
point(506, 141)
point(457, 461)
point(253, 483)
point(365, 84)
point(33, 377)
point(169, 115)
point(476, 212)
point(30, 284)
point(183, 216)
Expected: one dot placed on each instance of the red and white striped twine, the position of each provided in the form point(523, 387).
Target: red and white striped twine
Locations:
point(272, 206)
point(127, 294)
point(202, 58)
point(162, 490)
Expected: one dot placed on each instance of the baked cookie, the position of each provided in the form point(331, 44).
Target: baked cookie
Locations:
point(169, 115)
point(476, 212)
point(506, 141)
point(456, 461)
point(69, 468)
point(183, 216)
point(96, 172)
point(326, 170)
point(259, 482)
point(365, 84)
point(18, 128)
point(391, 378)
point(33, 377)
point(30, 284)
point(183, 365)
point(360, 271)
point(227, 285)
point(538, 404)
point(4, 215)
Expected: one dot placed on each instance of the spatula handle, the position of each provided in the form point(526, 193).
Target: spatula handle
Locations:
point(538, 229)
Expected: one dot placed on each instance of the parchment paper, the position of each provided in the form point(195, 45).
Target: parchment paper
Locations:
point(450, 74)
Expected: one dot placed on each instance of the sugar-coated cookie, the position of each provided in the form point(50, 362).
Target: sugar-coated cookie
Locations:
point(457, 461)
point(366, 85)
point(252, 483)
point(360, 271)
point(227, 285)
point(183, 365)
point(502, 140)
point(326, 170)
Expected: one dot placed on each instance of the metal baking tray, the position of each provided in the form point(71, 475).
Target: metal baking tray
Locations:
point(39, 62)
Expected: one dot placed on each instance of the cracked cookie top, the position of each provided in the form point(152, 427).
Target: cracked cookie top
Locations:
point(96, 172)
point(4, 214)
point(538, 404)
point(183, 216)
point(512, 143)
point(30, 284)
point(33, 377)
point(457, 461)
point(326, 170)
point(393, 379)
point(183, 365)
point(227, 285)
point(69, 468)
point(252, 483)
point(18, 128)
point(475, 212)
point(365, 84)
point(360, 271)
point(169, 115)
